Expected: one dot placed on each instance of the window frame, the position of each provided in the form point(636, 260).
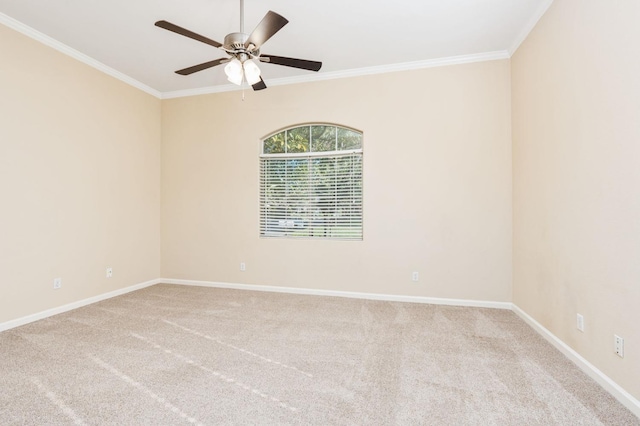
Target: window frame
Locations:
point(289, 232)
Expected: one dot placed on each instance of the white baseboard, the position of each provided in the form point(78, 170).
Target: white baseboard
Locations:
point(68, 307)
point(602, 379)
point(348, 294)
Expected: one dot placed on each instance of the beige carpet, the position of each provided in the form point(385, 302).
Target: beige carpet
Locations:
point(170, 355)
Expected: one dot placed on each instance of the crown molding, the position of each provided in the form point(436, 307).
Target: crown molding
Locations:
point(381, 69)
point(63, 48)
point(529, 27)
point(204, 91)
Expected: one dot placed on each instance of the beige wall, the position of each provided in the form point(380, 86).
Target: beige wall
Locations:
point(437, 185)
point(79, 180)
point(576, 137)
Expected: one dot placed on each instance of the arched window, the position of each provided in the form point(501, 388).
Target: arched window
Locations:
point(311, 183)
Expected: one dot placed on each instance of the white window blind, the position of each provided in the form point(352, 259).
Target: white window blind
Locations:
point(312, 194)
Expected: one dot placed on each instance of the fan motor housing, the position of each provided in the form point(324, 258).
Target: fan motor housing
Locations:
point(235, 41)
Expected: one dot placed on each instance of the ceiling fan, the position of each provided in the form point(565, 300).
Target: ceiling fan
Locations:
point(244, 50)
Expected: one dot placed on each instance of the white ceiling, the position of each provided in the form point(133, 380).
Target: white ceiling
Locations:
point(349, 37)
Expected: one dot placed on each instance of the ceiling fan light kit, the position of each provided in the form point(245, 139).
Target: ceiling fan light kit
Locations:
point(251, 71)
point(244, 50)
point(234, 71)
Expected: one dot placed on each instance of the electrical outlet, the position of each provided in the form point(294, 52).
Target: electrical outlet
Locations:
point(414, 276)
point(109, 272)
point(580, 323)
point(57, 283)
point(243, 266)
point(618, 347)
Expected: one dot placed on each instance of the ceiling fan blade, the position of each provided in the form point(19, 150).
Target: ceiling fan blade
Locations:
point(292, 62)
point(259, 85)
point(204, 66)
point(270, 24)
point(183, 31)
